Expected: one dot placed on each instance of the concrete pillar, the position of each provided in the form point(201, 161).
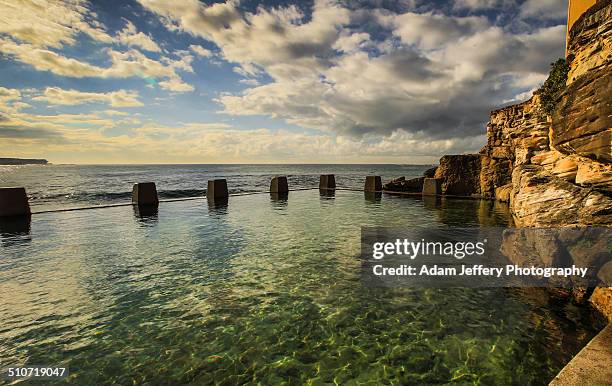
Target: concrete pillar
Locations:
point(432, 186)
point(145, 193)
point(373, 184)
point(217, 189)
point(327, 181)
point(14, 202)
point(279, 185)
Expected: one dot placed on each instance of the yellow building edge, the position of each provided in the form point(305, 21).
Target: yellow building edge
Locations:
point(575, 9)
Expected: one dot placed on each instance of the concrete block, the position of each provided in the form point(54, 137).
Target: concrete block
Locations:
point(279, 185)
point(373, 184)
point(217, 189)
point(432, 186)
point(145, 193)
point(14, 202)
point(327, 181)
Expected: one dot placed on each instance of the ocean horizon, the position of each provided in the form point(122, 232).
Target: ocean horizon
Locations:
point(64, 186)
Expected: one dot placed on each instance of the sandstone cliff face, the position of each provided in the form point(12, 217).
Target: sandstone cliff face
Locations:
point(582, 121)
point(540, 199)
point(562, 172)
point(554, 170)
point(568, 181)
point(516, 132)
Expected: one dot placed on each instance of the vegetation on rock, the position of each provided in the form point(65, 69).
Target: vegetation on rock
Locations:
point(554, 85)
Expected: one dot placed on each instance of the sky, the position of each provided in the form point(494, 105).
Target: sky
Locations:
point(154, 81)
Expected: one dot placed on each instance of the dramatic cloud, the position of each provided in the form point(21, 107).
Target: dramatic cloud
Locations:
point(271, 37)
point(131, 37)
point(429, 74)
point(58, 96)
point(351, 81)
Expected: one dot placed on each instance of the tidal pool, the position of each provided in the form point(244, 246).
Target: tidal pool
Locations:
point(265, 290)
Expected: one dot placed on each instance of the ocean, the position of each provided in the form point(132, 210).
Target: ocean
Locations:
point(256, 290)
point(65, 186)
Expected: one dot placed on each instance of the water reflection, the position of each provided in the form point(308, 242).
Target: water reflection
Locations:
point(146, 214)
point(327, 193)
point(15, 229)
point(218, 205)
point(279, 200)
point(432, 202)
point(373, 197)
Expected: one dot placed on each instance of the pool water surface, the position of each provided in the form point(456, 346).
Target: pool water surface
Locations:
point(265, 290)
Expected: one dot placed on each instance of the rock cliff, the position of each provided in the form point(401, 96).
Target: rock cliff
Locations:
point(555, 170)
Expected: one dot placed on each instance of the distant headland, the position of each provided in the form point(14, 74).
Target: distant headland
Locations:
point(23, 161)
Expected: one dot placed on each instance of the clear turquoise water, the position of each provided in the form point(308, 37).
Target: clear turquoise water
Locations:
point(265, 291)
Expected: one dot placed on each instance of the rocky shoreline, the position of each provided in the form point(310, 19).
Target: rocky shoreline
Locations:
point(554, 170)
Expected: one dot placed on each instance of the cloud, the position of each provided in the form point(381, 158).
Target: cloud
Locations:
point(49, 23)
point(11, 100)
point(544, 9)
point(373, 83)
point(45, 60)
point(249, 82)
point(114, 113)
point(200, 51)
point(129, 36)
point(444, 89)
point(176, 84)
point(370, 71)
point(26, 133)
point(267, 37)
point(35, 32)
point(477, 5)
point(352, 42)
point(182, 144)
point(9, 95)
point(58, 96)
point(123, 65)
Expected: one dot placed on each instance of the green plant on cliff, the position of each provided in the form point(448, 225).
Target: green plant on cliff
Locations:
point(554, 85)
